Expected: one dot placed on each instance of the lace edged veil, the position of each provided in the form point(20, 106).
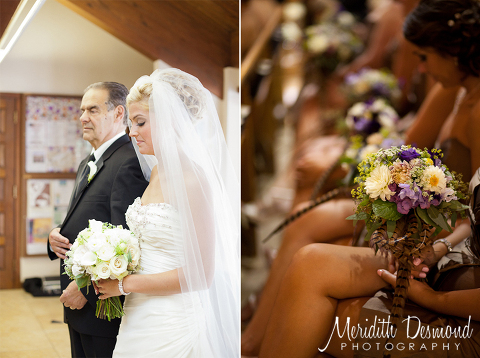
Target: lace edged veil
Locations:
point(194, 167)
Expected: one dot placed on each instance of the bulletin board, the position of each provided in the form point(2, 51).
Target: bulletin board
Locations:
point(54, 147)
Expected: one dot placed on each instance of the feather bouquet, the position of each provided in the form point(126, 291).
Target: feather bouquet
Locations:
point(403, 194)
point(103, 251)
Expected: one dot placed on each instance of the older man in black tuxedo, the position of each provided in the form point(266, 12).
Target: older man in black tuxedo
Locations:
point(116, 183)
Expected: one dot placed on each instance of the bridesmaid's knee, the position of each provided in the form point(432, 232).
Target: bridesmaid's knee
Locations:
point(310, 257)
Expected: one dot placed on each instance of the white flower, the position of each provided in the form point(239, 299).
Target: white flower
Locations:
point(317, 44)
point(294, 11)
point(357, 109)
point(345, 19)
point(134, 252)
point(95, 226)
point(93, 170)
point(375, 138)
point(377, 183)
point(79, 253)
point(77, 270)
point(448, 194)
point(118, 266)
point(351, 153)
point(105, 252)
point(291, 31)
point(102, 270)
point(368, 149)
point(96, 241)
point(433, 179)
point(88, 259)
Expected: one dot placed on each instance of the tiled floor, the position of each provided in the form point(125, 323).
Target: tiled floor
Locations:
point(32, 327)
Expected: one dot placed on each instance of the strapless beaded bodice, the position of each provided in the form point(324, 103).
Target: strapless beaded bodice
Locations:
point(157, 228)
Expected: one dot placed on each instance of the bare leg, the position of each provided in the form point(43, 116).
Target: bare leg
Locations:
point(325, 223)
point(319, 276)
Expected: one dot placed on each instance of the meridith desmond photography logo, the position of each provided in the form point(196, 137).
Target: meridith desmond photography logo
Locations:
point(382, 329)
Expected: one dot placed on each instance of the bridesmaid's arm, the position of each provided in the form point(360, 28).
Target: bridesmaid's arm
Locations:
point(462, 303)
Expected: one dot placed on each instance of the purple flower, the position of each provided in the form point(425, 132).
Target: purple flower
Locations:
point(407, 192)
point(409, 154)
point(424, 202)
point(404, 206)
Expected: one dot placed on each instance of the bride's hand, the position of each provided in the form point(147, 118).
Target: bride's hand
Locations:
point(106, 288)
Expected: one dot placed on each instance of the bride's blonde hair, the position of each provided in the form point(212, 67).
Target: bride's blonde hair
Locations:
point(190, 93)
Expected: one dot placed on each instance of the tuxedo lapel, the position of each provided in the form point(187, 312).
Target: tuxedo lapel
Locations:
point(83, 185)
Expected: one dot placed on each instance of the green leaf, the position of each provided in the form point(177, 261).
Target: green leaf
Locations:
point(453, 218)
point(457, 206)
point(438, 218)
point(386, 210)
point(391, 225)
point(437, 231)
point(422, 214)
point(358, 216)
point(82, 281)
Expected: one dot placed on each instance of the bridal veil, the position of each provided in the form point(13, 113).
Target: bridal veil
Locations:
point(194, 169)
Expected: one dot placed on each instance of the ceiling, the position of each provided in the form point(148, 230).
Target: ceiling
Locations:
point(200, 37)
point(7, 9)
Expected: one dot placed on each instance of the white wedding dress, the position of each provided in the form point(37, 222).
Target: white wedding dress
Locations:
point(170, 326)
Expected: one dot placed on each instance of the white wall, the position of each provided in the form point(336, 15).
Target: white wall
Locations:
point(62, 53)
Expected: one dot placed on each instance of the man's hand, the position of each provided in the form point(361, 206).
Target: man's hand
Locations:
point(72, 297)
point(58, 243)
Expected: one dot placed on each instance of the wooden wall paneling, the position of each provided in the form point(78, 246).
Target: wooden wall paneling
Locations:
point(7, 9)
point(9, 138)
point(195, 36)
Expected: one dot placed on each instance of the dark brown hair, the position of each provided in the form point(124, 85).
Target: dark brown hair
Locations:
point(451, 27)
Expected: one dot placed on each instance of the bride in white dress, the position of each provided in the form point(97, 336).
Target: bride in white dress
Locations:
point(185, 300)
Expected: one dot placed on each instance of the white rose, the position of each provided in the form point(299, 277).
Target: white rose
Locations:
point(95, 226)
point(96, 242)
point(105, 252)
point(79, 252)
point(102, 270)
point(118, 265)
point(77, 270)
point(134, 252)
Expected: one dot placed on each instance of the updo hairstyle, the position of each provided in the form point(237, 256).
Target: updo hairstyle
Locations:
point(188, 88)
point(451, 27)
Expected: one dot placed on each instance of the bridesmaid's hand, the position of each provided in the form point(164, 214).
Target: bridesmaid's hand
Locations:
point(106, 288)
point(417, 291)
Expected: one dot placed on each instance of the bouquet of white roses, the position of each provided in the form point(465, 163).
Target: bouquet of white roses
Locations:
point(367, 83)
point(103, 251)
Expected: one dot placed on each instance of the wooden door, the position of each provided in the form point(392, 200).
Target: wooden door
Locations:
point(9, 166)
